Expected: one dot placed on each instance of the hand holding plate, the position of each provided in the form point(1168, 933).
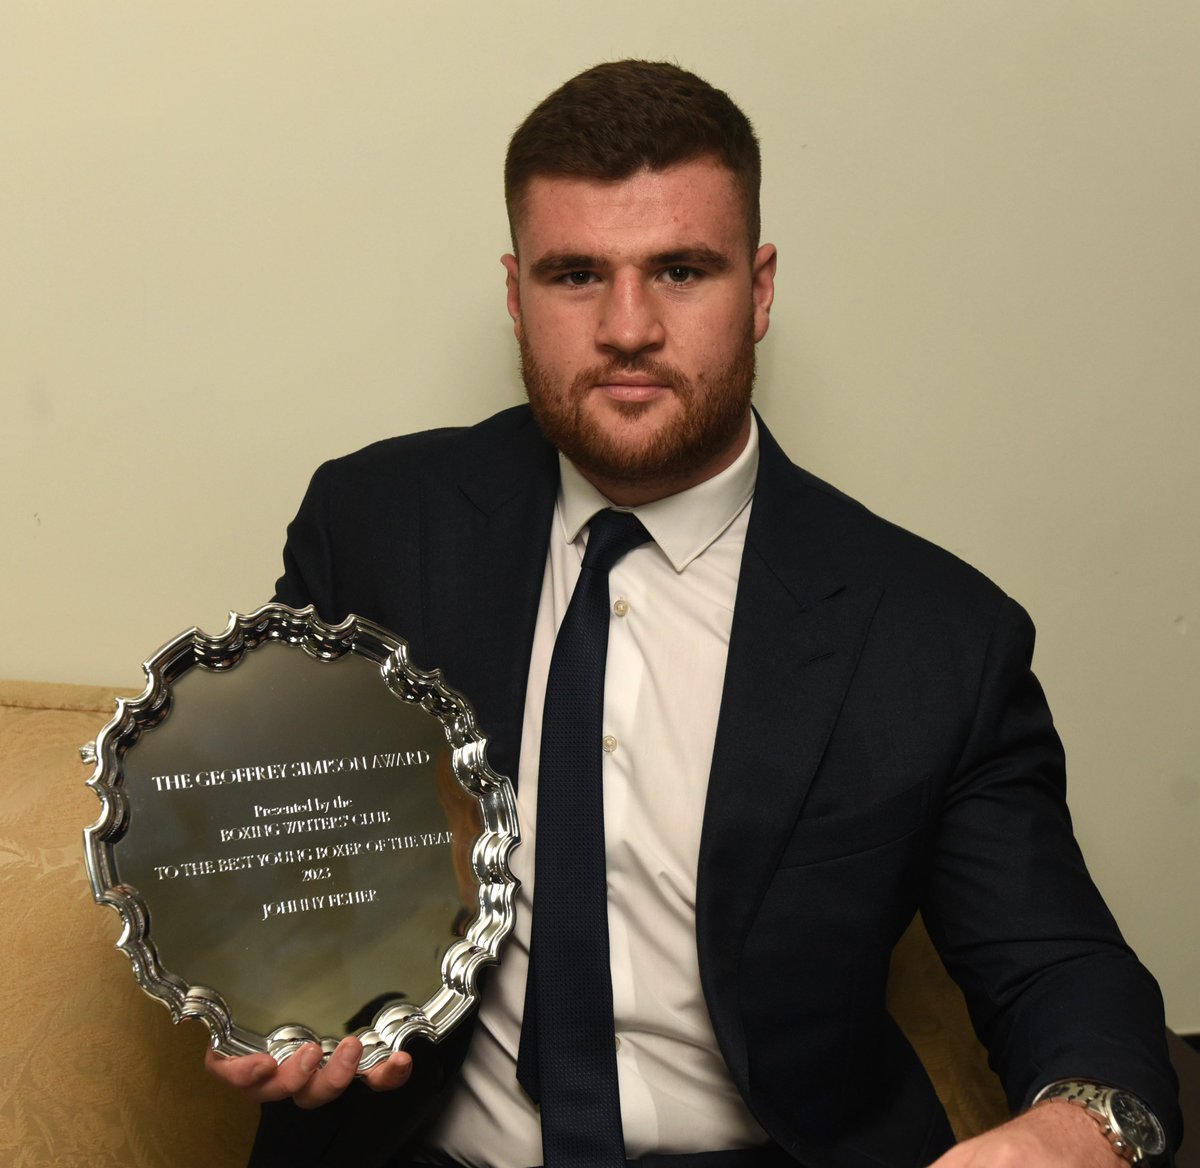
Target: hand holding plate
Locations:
point(302, 1078)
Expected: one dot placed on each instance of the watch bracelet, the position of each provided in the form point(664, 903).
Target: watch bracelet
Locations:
point(1093, 1097)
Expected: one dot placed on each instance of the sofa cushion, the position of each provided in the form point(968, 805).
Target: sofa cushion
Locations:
point(93, 1071)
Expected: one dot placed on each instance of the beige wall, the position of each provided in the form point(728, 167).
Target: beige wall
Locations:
point(236, 239)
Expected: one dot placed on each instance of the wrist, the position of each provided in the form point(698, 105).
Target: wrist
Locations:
point(1085, 1130)
point(1130, 1127)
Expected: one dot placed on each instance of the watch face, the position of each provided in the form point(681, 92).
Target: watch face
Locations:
point(1137, 1124)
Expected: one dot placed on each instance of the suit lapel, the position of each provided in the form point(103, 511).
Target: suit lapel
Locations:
point(486, 542)
point(797, 633)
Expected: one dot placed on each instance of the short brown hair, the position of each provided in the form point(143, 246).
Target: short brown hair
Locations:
point(615, 119)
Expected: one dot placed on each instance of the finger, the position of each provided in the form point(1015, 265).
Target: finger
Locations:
point(294, 1074)
point(244, 1073)
point(393, 1072)
point(260, 1078)
point(333, 1078)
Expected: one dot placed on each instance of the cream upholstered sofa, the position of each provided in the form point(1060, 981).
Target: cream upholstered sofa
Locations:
point(92, 1072)
point(94, 1075)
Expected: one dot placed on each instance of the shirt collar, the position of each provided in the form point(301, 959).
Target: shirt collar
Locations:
point(683, 525)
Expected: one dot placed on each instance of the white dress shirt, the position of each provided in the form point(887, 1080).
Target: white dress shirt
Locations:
point(672, 604)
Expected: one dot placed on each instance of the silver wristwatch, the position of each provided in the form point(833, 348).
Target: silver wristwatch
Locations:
point(1131, 1127)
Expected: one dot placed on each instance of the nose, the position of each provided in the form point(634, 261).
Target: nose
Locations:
point(630, 318)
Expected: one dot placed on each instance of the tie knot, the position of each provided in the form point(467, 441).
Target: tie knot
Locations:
point(610, 535)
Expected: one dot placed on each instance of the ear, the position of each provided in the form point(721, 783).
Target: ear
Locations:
point(762, 287)
point(512, 286)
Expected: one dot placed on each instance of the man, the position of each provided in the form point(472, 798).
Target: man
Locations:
point(814, 724)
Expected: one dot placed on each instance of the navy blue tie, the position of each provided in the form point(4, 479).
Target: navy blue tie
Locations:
point(567, 1059)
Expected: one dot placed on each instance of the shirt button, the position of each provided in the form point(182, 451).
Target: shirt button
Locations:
point(621, 606)
point(618, 1042)
point(609, 744)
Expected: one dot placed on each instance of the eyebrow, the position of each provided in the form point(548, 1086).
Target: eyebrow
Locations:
point(700, 257)
point(561, 261)
point(554, 263)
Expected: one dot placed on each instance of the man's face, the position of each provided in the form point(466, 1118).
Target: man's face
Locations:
point(637, 306)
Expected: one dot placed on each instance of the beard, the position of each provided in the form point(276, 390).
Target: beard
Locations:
point(712, 412)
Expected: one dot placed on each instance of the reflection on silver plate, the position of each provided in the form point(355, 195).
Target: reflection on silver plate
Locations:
point(302, 836)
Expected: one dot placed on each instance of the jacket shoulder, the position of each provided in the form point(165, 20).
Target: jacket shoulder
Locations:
point(450, 451)
point(813, 522)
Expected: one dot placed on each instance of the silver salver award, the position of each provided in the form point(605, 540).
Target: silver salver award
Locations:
point(302, 836)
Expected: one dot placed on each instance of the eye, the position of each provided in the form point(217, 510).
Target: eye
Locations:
point(577, 279)
point(681, 275)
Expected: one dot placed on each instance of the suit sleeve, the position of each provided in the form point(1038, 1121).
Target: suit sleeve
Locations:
point(323, 549)
point(308, 576)
point(1053, 989)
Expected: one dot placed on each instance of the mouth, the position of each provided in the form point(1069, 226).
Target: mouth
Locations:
point(631, 387)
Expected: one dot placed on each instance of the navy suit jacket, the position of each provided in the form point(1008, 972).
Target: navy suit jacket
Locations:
point(882, 748)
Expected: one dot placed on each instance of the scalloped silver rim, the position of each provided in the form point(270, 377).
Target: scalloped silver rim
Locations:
point(394, 1025)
